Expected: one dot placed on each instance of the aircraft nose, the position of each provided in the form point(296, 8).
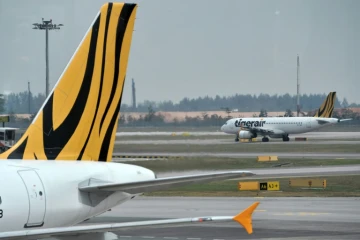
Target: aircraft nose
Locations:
point(222, 128)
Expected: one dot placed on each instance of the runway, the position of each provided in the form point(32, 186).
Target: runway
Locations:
point(246, 154)
point(311, 135)
point(280, 218)
point(231, 141)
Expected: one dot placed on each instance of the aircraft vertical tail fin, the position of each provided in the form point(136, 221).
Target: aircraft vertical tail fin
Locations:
point(327, 107)
point(78, 120)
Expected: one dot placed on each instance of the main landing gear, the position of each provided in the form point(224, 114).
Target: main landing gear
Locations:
point(236, 139)
point(265, 139)
point(286, 138)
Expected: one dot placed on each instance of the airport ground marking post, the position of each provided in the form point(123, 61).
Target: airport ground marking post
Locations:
point(267, 158)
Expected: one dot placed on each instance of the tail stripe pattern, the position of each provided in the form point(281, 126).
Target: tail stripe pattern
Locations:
point(79, 120)
point(327, 108)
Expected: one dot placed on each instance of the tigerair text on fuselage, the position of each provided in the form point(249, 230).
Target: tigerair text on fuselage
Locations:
point(239, 123)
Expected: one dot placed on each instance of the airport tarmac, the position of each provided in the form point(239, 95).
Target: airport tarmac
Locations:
point(231, 141)
point(275, 218)
point(312, 135)
point(311, 155)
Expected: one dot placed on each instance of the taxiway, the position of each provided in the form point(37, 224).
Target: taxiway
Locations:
point(280, 218)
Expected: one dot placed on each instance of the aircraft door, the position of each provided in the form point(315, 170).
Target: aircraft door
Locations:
point(37, 199)
point(308, 123)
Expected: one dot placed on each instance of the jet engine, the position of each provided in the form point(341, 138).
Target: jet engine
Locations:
point(247, 134)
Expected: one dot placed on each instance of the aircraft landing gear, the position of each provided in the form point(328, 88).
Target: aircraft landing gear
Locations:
point(286, 138)
point(265, 139)
point(236, 139)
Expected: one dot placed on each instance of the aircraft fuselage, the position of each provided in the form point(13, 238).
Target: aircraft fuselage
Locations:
point(45, 193)
point(281, 126)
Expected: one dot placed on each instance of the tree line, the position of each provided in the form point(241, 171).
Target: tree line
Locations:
point(241, 102)
point(156, 119)
point(23, 102)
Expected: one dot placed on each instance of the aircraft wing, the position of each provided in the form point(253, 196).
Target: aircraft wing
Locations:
point(243, 218)
point(322, 121)
point(162, 183)
point(260, 130)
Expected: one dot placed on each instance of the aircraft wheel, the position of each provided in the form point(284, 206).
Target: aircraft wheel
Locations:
point(265, 139)
point(286, 139)
point(236, 139)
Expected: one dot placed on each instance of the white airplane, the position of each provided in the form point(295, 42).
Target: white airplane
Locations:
point(58, 174)
point(281, 127)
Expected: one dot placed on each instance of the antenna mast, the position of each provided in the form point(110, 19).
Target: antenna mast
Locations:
point(133, 91)
point(298, 87)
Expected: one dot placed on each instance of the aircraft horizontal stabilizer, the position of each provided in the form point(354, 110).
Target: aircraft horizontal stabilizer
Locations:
point(162, 183)
point(343, 120)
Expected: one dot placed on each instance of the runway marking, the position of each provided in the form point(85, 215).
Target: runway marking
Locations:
point(258, 197)
point(171, 238)
point(311, 213)
point(284, 214)
point(300, 214)
point(147, 237)
point(260, 210)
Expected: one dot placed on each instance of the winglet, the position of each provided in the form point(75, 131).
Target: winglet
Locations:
point(244, 218)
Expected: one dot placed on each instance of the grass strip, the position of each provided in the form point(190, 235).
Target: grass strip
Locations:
point(337, 186)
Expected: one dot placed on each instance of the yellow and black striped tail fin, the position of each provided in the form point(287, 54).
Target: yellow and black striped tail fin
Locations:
point(79, 119)
point(327, 107)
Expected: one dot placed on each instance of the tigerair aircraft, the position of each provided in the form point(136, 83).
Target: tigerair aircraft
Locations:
point(281, 127)
point(59, 173)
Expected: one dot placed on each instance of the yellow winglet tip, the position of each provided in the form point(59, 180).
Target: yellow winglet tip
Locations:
point(244, 218)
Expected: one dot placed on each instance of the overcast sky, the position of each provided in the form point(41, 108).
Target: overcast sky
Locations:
point(197, 48)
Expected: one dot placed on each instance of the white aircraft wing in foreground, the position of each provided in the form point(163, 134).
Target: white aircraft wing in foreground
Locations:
point(243, 218)
point(162, 183)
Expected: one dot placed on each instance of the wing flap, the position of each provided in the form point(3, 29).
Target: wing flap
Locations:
point(163, 183)
point(243, 218)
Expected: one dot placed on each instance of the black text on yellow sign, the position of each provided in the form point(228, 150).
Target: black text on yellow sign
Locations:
point(269, 186)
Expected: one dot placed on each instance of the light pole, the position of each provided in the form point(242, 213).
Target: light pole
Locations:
point(47, 25)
